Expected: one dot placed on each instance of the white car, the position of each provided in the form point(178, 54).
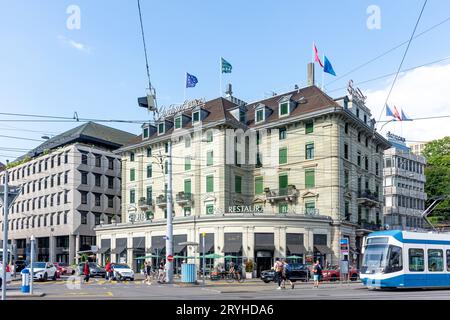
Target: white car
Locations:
point(43, 271)
point(8, 274)
point(122, 271)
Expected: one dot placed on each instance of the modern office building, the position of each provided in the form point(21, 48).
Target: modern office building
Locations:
point(404, 186)
point(417, 148)
point(69, 184)
point(289, 175)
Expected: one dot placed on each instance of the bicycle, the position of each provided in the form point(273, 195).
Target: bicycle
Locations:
point(232, 276)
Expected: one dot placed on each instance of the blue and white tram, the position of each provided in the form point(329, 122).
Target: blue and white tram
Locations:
point(404, 259)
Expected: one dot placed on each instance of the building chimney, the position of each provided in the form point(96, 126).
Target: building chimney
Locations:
point(311, 81)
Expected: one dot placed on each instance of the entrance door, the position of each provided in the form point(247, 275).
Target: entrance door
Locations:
point(264, 261)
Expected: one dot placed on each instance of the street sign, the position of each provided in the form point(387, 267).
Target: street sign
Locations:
point(344, 246)
point(13, 193)
point(170, 258)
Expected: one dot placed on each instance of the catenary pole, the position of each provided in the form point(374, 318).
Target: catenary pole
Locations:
point(5, 234)
point(32, 253)
point(169, 232)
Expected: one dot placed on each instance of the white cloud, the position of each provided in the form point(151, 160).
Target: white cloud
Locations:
point(76, 45)
point(423, 92)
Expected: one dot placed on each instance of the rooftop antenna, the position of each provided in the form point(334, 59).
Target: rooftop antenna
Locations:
point(151, 94)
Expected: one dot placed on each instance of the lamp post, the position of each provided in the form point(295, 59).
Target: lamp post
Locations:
point(5, 234)
point(32, 241)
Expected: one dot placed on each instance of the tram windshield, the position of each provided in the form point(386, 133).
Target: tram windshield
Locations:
point(382, 258)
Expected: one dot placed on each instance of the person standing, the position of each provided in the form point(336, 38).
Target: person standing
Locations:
point(86, 272)
point(317, 270)
point(278, 267)
point(161, 272)
point(148, 271)
point(108, 270)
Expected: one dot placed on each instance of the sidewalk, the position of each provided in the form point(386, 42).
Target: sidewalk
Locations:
point(16, 293)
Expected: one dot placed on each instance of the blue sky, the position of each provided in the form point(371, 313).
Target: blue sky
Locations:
point(99, 70)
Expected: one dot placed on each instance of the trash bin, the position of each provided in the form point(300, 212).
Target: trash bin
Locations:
point(188, 273)
point(25, 281)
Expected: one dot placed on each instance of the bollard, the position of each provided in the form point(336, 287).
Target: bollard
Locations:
point(25, 281)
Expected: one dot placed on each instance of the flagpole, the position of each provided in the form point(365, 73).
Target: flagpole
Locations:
point(312, 53)
point(323, 71)
point(184, 99)
point(220, 70)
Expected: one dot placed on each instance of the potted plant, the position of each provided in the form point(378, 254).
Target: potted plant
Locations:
point(249, 269)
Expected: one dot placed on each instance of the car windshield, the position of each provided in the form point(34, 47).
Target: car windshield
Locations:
point(374, 258)
point(39, 264)
point(121, 266)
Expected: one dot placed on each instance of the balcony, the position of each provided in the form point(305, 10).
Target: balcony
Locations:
point(183, 198)
point(310, 211)
point(363, 224)
point(145, 204)
point(287, 194)
point(161, 201)
point(368, 198)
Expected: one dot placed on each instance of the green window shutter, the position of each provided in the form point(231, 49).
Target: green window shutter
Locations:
point(209, 136)
point(149, 193)
point(283, 156)
point(145, 132)
point(259, 115)
point(259, 189)
point(187, 164)
point(309, 127)
point(149, 171)
point(187, 186)
point(310, 178)
point(196, 116)
point(209, 158)
point(283, 181)
point(132, 174)
point(132, 196)
point(310, 207)
point(209, 183)
point(237, 184)
point(283, 208)
point(178, 123)
point(161, 128)
point(209, 209)
point(284, 109)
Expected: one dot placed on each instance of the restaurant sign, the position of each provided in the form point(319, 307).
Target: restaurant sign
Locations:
point(246, 209)
point(174, 109)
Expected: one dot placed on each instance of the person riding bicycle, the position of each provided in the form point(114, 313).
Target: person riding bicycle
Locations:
point(231, 269)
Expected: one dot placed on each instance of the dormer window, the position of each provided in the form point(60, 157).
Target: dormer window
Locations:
point(195, 116)
point(242, 116)
point(178, 122)
point(284, 109)
point(145, 133)
point(161, 128)
point(259, 115)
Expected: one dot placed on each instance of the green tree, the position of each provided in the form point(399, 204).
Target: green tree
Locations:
point(437, 152)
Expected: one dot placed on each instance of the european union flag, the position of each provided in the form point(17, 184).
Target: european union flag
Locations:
point(191, 80)
point(327, 67)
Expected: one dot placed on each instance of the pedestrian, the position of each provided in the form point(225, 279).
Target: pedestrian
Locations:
point(108, 270)
point(161, 272)
point(287, 274)
point(278, 267)
point(86, 272)
point(148, 271)
point(317, 270)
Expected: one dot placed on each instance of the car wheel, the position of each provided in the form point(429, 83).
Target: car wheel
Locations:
point(333, 278)
point(266, 281)
point(354, 277)
point(45, 277)
point(131, 279)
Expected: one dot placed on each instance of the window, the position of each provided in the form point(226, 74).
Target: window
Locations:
point(309, 151)
point(346, 179)
point(209, 209)
point(357, 112)
point(259, 189)
point(284, 109)
point(359, 136)
point(365, 119)
point(66, 177)
point(242, 116)
point(98, 199)
point(282, 133)
point(196, 116)
point(110, 182)
point(448, 260)
point(346, 151)
point(187, 163)
point(111, 163)
point(149, 152)
point(84, 197)
point(45, 165)
point(209, 183)
point(346, 128)
point(84, 179)
point(347, 214)
point(98, 180)
point(97, 218)
point(283, 208)
point(435, 260)
point(367, 142)
point(166, 147)
point(259, 115)
point(377, 168)
point(209, 136)
point(358, 158)
point(283, 182)
point(166, 167)
point(310, 207)
point(58, 218)
point(187, 141)
point(132, 196)
point(209, 158)
point(309, 127)
point(65, 217)
point(395, 261)
point(59, 161)
point(237, 184)
point(149, 171)
point(178, 122)
point(98, 160)
point(52, 162)
point(161, 128)
point(416, 260)
point(282, 156)
point(187, 186)
point(309, 178)
point(132, 174)
point(132, 156)
point(66, 193)
point(145, 133)
point(149, 195)
point(366, 162)
point(187, 211)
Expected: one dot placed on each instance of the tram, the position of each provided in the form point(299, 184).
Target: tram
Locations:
point(405, 259)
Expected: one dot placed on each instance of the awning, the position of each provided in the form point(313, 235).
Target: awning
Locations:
point(232, 247)
point(104, 250)
point(119, 250)
point(265, 247)
point(157, 248)
point(323, 249)
point(178, 248)
point(296, 249)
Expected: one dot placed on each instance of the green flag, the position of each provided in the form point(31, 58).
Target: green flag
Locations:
point(226, 66)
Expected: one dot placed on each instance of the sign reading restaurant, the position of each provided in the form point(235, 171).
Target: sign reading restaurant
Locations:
point(245, 209)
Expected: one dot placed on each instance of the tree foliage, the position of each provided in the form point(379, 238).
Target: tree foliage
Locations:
point(437, 152)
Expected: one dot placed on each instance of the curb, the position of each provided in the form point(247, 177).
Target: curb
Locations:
point(24, 295)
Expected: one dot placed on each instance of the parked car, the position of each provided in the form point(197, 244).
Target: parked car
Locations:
point(299, 272)
point(333, 274)
point(19, 265)
point(8, 274)
point(43, 271)
point(63, 268)
point(122, 271)
point(95, 270)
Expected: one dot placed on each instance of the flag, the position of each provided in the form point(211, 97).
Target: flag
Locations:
point(396, 114)
point(191, 80)
point(404, 117)
point(389, 112)
point(226, 66)
point(316, 55)
point(328, 68)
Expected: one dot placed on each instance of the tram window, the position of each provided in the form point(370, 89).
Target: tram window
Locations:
point(448, 260)
point(416, 260)
point(377, 240)
point(435, 260)
point(395, 262)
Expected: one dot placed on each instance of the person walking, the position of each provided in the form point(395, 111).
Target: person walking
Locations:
point(161, 272)
point(86, 272)
point(278, 267)
point(108, 270)
point(287, 274)
point(148, 271)
point(317, 270)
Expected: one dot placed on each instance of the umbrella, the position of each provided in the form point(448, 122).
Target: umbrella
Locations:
point(213, 256)
point(231, 257)
point(294, 257)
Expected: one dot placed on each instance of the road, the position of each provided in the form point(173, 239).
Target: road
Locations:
point(99, 289)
